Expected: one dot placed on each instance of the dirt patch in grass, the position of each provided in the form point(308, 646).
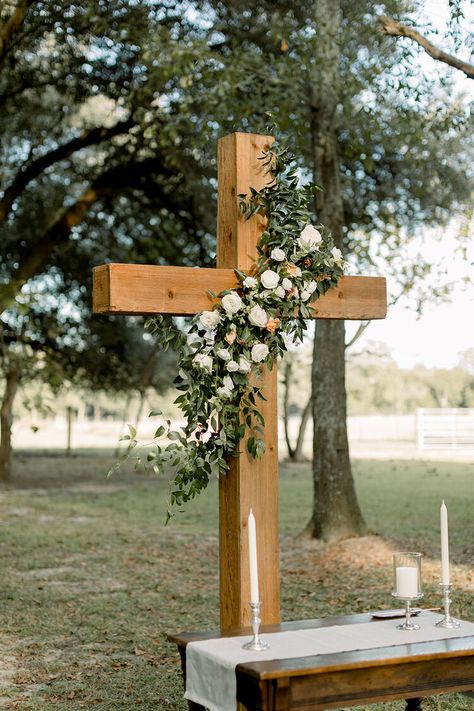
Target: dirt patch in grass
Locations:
point(93, 581)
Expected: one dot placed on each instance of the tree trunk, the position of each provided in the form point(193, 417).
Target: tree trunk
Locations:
point(286, 416)
point(11, 27)
point(12, 379)
point(336, 511)
point(307, 412)
point(295, 454)
point(69, 417)
point(141, 405)
point(123, 426)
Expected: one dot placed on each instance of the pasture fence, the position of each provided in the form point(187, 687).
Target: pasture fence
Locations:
point(445, 428)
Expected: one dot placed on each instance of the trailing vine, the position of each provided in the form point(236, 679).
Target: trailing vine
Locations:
point(246, 331)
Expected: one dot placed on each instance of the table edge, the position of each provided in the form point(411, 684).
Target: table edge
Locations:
point(358, 659)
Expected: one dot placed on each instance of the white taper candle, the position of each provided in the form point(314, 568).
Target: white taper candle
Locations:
point(444, 545)
point(253, 569)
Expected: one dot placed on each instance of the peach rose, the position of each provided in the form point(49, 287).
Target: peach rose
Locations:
point(273, 324)
point(292, 269)
point(230, 337)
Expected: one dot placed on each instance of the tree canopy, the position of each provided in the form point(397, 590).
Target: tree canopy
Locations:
point(109, 112)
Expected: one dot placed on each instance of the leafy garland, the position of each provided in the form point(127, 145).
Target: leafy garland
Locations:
point(247, 329)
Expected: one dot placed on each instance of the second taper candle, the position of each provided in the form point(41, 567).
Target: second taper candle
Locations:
point(253, 567)
point(444, 545)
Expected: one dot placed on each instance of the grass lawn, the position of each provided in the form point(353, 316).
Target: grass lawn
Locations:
point(91, 581)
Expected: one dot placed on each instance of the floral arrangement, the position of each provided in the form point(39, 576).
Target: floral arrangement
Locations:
point(222, 356)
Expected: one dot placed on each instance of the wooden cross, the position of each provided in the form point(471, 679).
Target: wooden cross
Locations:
point(250, 483)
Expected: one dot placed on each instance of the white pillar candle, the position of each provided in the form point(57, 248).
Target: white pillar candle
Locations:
point(444, 545)
point(407, 581)
point(253, 569)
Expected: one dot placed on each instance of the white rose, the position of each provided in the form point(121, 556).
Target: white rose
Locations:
point(209, 319)
point(278, 255)
point(258, 316)
point(269, 279)
point(310, 286)
point(231, 303)
point(193, 340)
point(226, 389)
point(309, 238)
point(232, 366)
point(287, 284)
point(244, 364)
point(259, 352)
point(305, 295)
point(279, 291)
point(223, 354)
point(203, 361)
point(250, 282)
point(228, 382)
point(337, 254)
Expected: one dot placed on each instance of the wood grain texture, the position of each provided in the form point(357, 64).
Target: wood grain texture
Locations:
point(348, 678)
point(249, 483)
point(183, 291)
point(239, 169)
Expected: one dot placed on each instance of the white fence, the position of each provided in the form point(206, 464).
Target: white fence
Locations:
point(435, 430)
point(445, 428)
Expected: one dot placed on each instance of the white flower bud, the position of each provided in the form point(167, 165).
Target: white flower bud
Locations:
point(244, 364)
point(250, 282)
point(278, 255)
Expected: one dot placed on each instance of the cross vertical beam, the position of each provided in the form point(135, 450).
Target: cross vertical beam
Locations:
point(249, 483)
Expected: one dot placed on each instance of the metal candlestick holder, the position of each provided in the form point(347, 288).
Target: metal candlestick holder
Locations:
point(408, 624)
point(447, 622)
point(256, 644)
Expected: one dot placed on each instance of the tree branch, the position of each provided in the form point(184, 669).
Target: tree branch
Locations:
point(391, 27)
point(11, 27)
point(111, 182)
point(32, 170)
point(286, 393)
point(17, 91)
point(363, 325)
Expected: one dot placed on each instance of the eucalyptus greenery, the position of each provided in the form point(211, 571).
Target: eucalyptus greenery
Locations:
point(225, 351)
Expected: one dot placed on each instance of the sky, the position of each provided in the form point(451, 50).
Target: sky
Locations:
point(446, 328)
point(435, 340)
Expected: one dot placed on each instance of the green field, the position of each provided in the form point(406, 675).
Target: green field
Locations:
point(91, 581)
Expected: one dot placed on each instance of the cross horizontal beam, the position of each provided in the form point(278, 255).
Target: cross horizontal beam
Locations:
point(183, 291)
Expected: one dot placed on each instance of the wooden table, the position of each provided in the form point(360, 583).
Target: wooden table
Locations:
point(327, 681)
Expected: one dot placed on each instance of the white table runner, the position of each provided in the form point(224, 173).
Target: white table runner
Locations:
point(210, 665)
